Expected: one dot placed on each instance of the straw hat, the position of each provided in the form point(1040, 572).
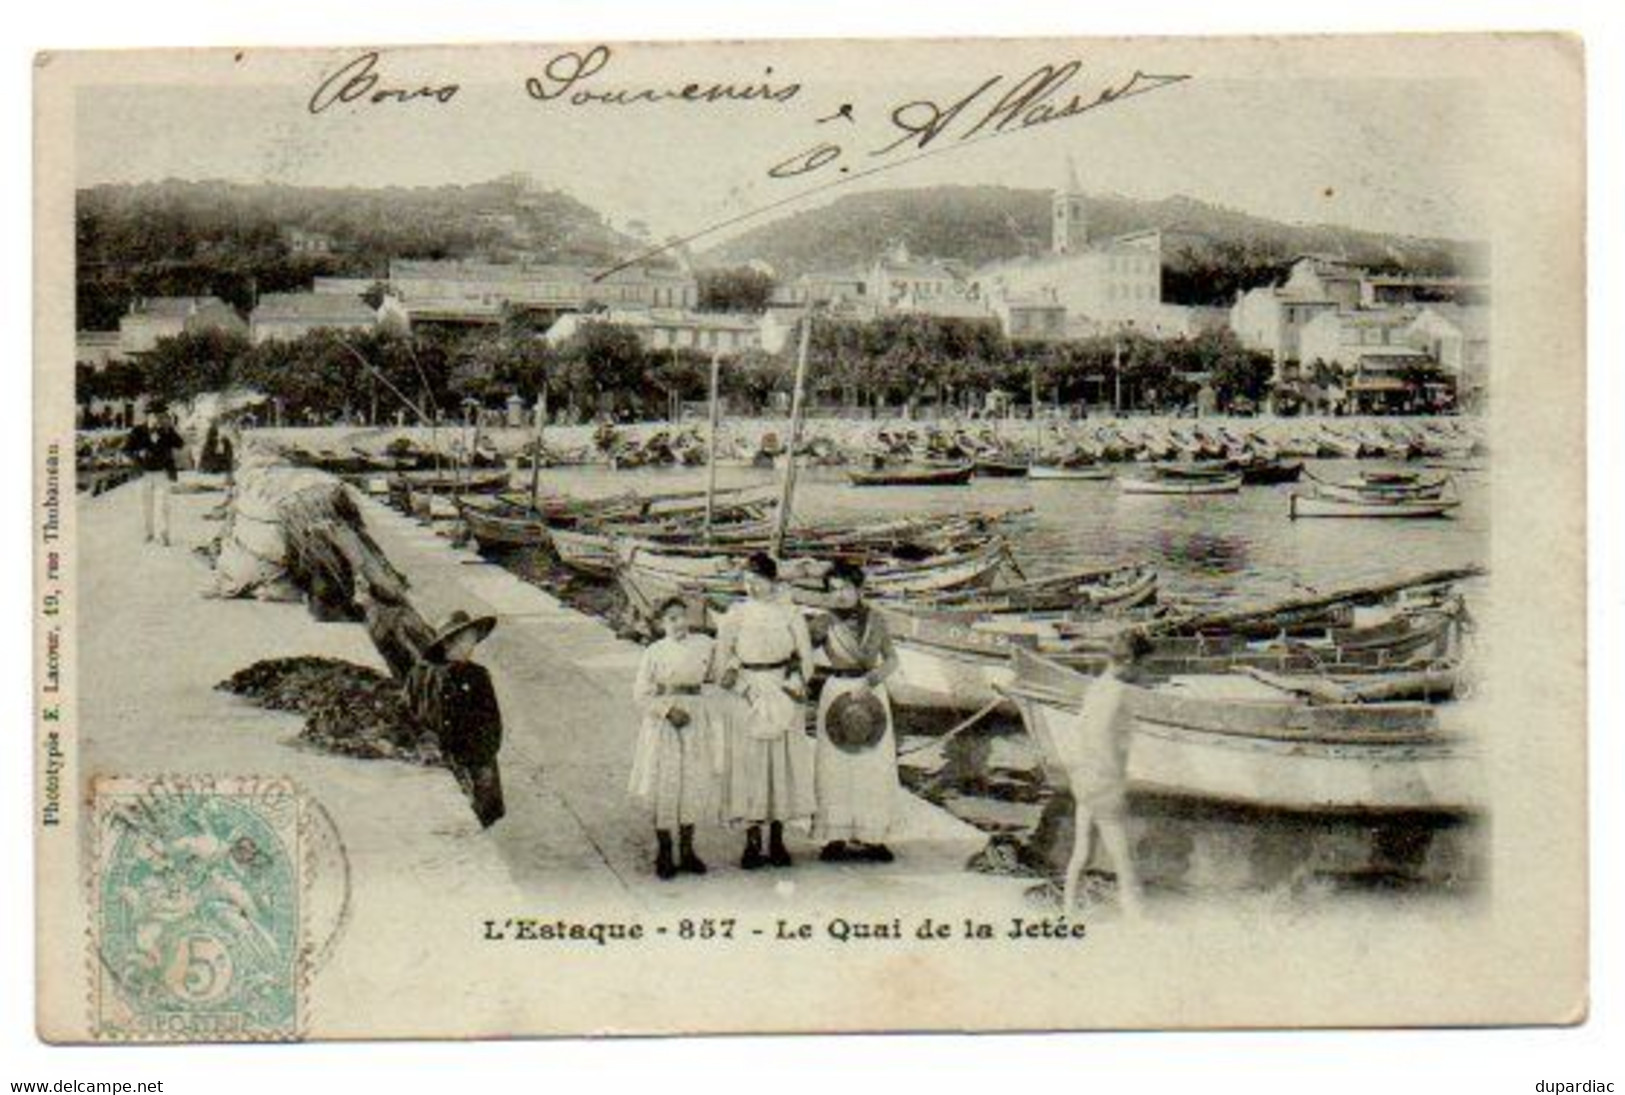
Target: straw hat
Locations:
point(454, 625)
point(856, 721)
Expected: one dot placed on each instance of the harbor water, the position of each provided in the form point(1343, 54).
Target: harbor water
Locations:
point(1223, 548)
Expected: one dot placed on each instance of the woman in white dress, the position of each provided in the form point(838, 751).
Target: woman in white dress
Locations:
point(764, 656)
point(678, 749)
point(856, 752)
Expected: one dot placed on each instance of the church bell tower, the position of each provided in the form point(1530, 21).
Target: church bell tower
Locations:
point(1070, 225)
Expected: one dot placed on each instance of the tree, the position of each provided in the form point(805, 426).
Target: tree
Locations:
point(735, 289)
point(191, 363)
point(603, 364)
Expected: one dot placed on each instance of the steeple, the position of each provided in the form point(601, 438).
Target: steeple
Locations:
point(1069, 220)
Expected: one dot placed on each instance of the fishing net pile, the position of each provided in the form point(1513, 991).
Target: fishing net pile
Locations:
point(292, 533)
point(349, 709)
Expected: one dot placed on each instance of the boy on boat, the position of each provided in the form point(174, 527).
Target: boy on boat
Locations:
point(454, 697)
point(677, 748)
point(764, 656)
point(856, 752)
point(1098, 774)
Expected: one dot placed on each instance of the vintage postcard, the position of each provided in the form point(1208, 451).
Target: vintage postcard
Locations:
point(602, 538)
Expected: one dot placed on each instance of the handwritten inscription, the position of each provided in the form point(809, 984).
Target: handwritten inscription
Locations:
point(359, 81)
point(570, 77)
point(995, 106)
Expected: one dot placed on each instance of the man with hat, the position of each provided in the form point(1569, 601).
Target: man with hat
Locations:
point(856, 752)
point(151, 446)
point(453, 696)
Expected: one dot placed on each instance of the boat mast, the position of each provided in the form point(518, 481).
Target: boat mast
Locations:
point(540, 412)
point(787, 492)
point(1038, 433)
point(711, 448)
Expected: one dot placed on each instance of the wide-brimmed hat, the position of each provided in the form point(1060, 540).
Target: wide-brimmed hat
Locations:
point(856, 721)
point(454, 625)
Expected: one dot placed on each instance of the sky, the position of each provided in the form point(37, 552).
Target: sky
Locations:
point(1298, 142)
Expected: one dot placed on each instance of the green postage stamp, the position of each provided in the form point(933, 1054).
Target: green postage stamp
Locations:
point(196, 909)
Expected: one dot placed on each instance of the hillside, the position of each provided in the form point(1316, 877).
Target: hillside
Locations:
point(1210, 251)
point(231, 239)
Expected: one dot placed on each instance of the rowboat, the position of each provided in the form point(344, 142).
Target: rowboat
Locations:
point(496, 525)
point(1383, 487)
point(1075, 472)
point(952, 475)
point(591, 549)
point(1158, 484)
point(1277, 753)
point(953, 661)
point(1322, 505)
point(1268, 472)
point(1089, 589)
point(649, 576)
point(996, 468)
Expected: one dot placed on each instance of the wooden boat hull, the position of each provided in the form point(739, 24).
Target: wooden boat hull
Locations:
point(1086, 473)
point(1227, 484)
point(1000, 469)
point(649, 576)
point(496, 530)
point(585, 551)
point(1271, 473)
point(1277, 755)
point(1320, 505)
point(913, 477)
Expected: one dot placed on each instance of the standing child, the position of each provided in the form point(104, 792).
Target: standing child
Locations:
point(764, 655)
point(1098, 774)
point(677, 748)
point(454, 697)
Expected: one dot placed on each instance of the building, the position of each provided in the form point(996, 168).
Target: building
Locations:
point(671, 329)
point(1103, 284)
point(1030, 316)
point(353, 287)
point(97, 349)
point(152, 318)
point(1374, 348)
point(1271, 319)
point(1458, 338)
point(283, 317)
point(1379, 290)
point(550, 289)
point(823, 287)
point(899, 281)
point(306, 243)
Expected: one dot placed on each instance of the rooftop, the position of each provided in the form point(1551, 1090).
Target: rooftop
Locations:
point(313, 308)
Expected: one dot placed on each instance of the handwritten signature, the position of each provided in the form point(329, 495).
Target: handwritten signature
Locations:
point(996, 106)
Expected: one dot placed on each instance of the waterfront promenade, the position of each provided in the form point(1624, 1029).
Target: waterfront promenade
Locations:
point(153, 647)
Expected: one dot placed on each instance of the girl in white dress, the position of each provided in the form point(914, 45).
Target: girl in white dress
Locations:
point(678, 749)
point(764, 656)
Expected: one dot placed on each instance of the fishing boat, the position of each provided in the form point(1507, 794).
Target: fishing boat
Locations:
point(649, 576)
point(1259, 472)
point(917, 475)
point(1272, 752)
point(1069, 473)
point(1088, 589)
point(1382, 486)
point(953, 661)
point(1179, 485)
point(496, 524)
point(1316, 504)
point(991, 467)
